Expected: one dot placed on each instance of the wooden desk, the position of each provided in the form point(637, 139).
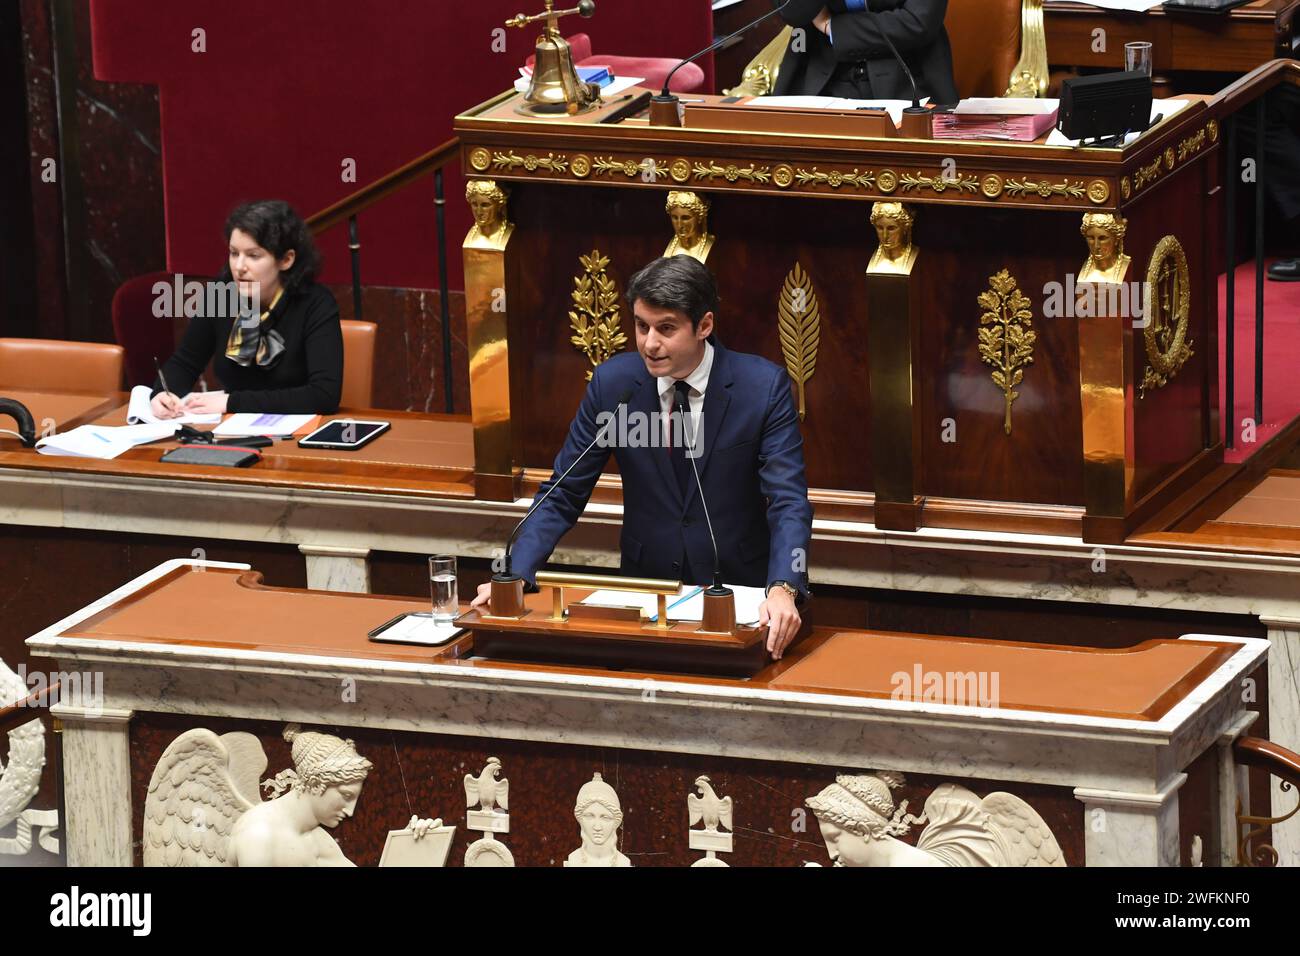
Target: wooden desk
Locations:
point(62, 410)
point(1236, 43)
point(204, 645)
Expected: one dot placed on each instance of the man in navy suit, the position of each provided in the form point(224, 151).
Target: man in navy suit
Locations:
point(747, 448)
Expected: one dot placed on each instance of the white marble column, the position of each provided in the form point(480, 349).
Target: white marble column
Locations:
point(337, 569)
point(1232, 789)
point(1131, 829)
point(1284, 724)
point(96, 785)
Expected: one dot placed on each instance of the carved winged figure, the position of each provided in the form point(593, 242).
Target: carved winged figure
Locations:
point(203, 807)
point(861, 826)
point(489, 790)
point(708, 806)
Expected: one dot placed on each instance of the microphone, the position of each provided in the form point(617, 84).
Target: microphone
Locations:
point(917, 120)
point(663, 108)
point(508, 576)
point(718, 590)
point(916, 96)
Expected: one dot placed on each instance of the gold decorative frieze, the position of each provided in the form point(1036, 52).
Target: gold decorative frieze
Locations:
point(939, 183)
point(680, 170)
point(1044, 189)
point(1005, 340)
point(1098, 191)
point(1192, 144)
point(991, 185)
point(479, 158)
point(650, 169)
point(887, 181)
point(1168, 299)
point(1125, 187)
point(835, 179)
point(799, 327)
point(594, 318)
point(731, 172)
point(511, 161)
point(1147, 174)
point(580, 166)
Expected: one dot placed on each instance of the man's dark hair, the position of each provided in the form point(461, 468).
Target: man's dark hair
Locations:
point(676, 282)
point(277, 228)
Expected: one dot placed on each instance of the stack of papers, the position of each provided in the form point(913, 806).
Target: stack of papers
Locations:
point(615, 86)
point(686, 605)
point(103, 441)
point(138, 412)
point(244, 424)
point(1016, 118)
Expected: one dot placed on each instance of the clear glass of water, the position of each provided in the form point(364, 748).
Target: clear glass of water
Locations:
point(442, 583)
point(1137, 56)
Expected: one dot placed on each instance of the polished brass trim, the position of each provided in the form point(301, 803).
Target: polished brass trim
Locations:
point(512, 161)
point(752, 173)
point(1045, 190)
point(479, 158)
point(939, 183)
point(991, 185)
point(834, 178)
point(893, 329)
point(485, 257)
point(612, 582)
point(1098, 191)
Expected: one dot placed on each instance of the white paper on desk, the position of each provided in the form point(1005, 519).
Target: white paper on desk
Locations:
point(614, 87)
point(686, 605)
point(104, 441)
point(138, 412)
point(243, 424)
point(1162, 108)
point(893, 107)
point(419, 628)
point(1137, 6)
point(1006, 106)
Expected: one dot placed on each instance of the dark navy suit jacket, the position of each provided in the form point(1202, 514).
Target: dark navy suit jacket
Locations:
point(750, 463)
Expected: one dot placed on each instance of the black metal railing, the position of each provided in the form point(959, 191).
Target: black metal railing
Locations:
point(348, 208)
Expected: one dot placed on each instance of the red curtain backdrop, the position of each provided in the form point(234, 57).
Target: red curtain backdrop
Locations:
point(285, 93)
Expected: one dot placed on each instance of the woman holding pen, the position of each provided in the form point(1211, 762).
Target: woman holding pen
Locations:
point(287, 359)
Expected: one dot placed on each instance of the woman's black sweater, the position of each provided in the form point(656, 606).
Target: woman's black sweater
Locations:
point(308, 377)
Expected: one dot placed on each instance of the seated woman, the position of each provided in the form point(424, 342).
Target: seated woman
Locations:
point(292, 359)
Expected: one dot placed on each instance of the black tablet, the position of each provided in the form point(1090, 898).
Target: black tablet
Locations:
point(345, 433)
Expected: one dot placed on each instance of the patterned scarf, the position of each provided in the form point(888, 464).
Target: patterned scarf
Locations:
point(254, 340)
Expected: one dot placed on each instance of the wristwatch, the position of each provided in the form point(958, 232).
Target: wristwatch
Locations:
point(789, 589)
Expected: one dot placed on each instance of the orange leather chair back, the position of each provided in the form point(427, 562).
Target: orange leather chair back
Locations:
point(53, 365)
point(358, 363)
point(985, 38)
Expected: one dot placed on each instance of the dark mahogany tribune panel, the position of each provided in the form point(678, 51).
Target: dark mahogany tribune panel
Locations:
point(1040, 460)
point(1170, 422)
point(759, 240)
point(424, 773)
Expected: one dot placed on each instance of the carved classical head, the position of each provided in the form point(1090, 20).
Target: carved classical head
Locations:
point(1104, 233)
point(327, 771)
point(893, 224)
point(862, 805)
point(598, 811)
point(487, 201)
point(689, 214)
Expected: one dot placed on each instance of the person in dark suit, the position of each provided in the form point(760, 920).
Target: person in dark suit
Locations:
point(748, 450)
point(839, 48)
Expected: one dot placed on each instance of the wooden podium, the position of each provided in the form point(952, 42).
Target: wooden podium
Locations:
point(1066, 439)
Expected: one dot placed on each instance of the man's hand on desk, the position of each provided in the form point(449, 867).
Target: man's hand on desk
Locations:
point(481, 599)
point(782, 618)
point(206, 403)
point(822, 20)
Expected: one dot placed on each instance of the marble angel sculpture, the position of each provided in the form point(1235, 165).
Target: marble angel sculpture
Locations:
point(203, 807)
point(861, 826)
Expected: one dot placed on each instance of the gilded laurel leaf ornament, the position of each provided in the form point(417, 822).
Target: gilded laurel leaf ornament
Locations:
point(1005, 340)
point(799, 326)
point(1168, 346)
point(594, 318)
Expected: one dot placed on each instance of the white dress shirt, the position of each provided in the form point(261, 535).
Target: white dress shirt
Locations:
point(698, 382)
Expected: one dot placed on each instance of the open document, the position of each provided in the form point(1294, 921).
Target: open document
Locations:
point(104, 441)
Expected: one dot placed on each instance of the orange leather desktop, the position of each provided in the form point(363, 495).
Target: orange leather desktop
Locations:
point(218, 607)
